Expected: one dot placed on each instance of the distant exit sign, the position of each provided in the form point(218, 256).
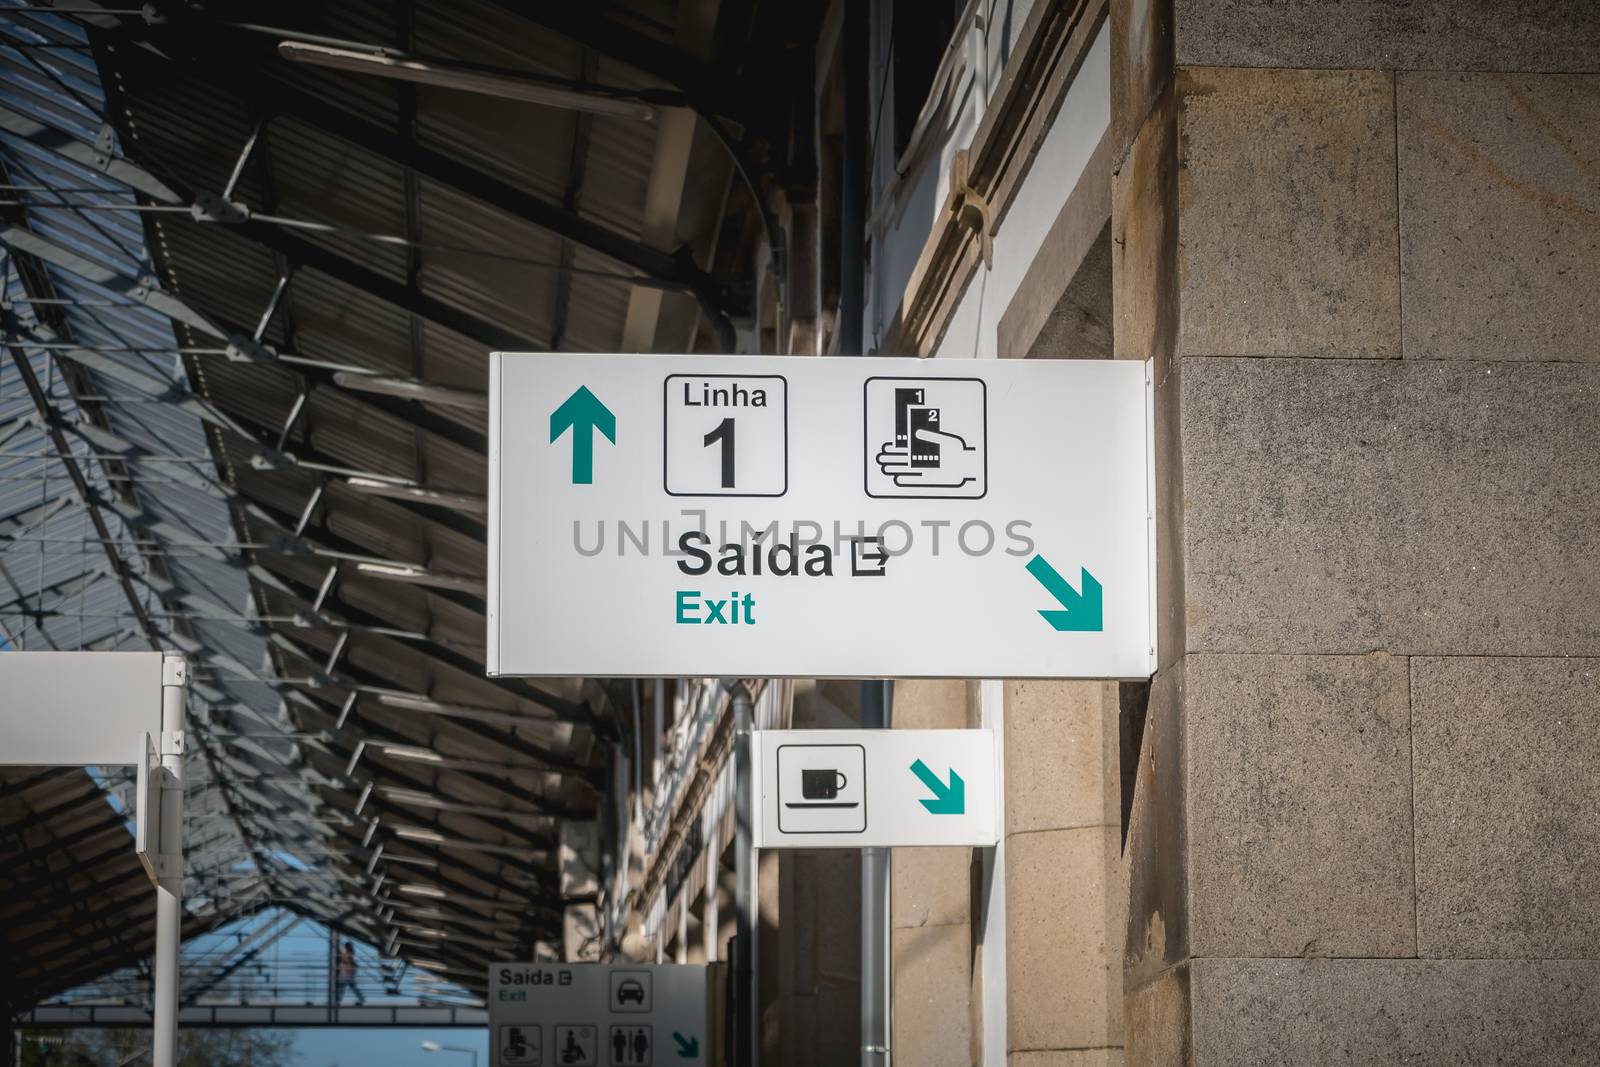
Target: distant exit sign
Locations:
point(813, 517)
point(594, 1014)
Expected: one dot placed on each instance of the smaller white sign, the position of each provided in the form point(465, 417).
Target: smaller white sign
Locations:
point(874, 788)
point(598, 1015)
point(155, 814)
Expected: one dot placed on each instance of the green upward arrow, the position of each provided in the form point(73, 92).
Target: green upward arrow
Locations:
point(947, 799)
point(583, 413)
point(1082, 611)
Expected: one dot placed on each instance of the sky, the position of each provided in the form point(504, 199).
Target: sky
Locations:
point(391, 1048)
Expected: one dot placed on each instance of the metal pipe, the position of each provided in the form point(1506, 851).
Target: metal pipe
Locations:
point(876, 990)
point(746, 1051)
point(47, 413)
point(169, 895)
point(875, 695)
point(853, 181)
point(993, 944)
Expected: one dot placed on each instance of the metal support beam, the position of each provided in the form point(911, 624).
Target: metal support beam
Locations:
point(302, 253)
point(81, 927)
point(108, 827)
point(138, 290)
point(565, 709)
point(145, 384)
point(17, 827)
point(66, 590)
point(93, 157)
point(549, 762)
point(65, 1017)
point(298, 251)
point(261, 940)
point(705, 90)
point(166, 624)
point(328, 543)
point(380, 806)
point(113, 900)
point(308, 459)
point(70, 261)
point(80, 483)
point(703, 86)
point(193, 43)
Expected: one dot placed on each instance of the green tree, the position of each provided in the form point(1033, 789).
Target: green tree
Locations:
point(196, 1048)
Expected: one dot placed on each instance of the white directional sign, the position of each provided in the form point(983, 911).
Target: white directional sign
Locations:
point(796, 516)
point(874, 788)
point(598, 1015)
point(158, 815)
point(78, 708)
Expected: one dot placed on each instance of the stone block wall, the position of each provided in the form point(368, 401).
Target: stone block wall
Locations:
point(1359, 239)
point(936, 1010)
point(1065, 896)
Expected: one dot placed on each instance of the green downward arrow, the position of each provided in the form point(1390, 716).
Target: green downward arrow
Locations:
point(947, 799)
point(1082, 611)
point(688, 1047)
point(583, 413)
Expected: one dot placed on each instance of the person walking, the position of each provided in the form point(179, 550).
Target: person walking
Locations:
point(344, 975)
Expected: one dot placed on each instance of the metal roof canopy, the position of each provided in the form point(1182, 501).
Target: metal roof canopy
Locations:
point(257, 299)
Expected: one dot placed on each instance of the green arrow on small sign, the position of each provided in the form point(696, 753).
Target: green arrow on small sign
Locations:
point(688, 1047)
point(583, 413)
point(947, 799)
point(1081, 611)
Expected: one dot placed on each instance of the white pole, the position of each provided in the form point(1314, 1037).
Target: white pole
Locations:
point(169, 894)
point(993, 704)
point(877, 978)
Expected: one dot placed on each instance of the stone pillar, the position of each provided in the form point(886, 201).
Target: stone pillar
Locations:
point(1361, 252)
point(931, 939)
point(1065, 895)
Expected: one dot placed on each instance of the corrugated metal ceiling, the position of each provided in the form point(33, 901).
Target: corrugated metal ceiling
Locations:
point(255, 548)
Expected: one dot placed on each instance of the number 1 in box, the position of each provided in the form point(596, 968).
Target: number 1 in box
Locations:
point(726, 435)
